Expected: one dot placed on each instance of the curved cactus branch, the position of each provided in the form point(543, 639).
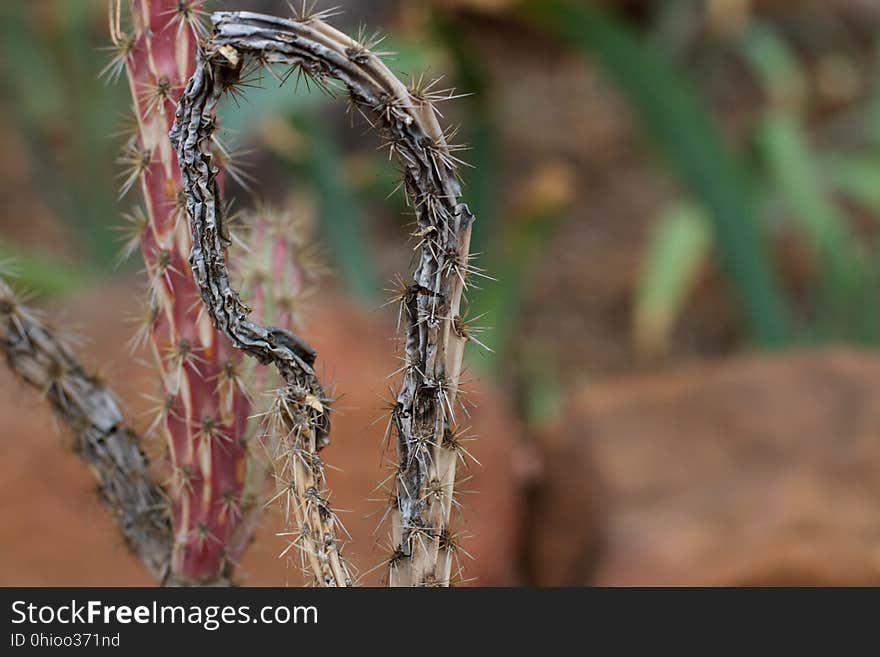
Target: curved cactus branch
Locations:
point(423, 412)
point(102, 441)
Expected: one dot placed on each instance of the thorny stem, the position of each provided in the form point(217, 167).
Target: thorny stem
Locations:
point(424, 409)
point(101, 439)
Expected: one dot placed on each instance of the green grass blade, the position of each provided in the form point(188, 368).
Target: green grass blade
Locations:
point(671, 113)
point(41, 275)
point(791, 165)
point(677, 252)
point(857, 178)
point(498, 303)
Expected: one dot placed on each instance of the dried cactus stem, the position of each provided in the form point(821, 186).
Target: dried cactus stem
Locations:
point(305, 404)
point(454, 342)
point(277, 269)
point(425, 414)
point(295, 416)
point(407, 121)
point(91, 412)
point(317, 522)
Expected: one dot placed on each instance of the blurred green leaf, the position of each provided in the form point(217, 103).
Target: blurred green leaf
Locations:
point(776, 66)
point(792, 166)
point(481, 132)
point(343, 224)
point(496, 303)
point(682, 128)
point(63, 112)
point(873, 127)
point(37, 274)
point(857, 177)
point(679, 248)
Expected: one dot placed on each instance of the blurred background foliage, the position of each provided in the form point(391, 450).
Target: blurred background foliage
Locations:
point(653, 180)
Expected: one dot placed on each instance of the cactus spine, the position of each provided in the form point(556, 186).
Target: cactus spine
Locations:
point(424, 411)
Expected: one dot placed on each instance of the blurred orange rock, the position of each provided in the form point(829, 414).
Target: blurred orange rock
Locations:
point(755, 471)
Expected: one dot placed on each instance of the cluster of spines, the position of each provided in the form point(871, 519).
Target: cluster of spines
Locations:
point(279, 269)
point(425, 550)
point(434, 451)
point(311, 526)
point(431, 452)
point(280, 264)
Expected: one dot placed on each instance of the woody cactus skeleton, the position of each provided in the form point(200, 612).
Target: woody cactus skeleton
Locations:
point(423, 412)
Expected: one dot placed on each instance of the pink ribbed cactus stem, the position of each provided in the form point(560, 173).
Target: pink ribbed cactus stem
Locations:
point(204, 408)
point(282, 263)
point(279, 270)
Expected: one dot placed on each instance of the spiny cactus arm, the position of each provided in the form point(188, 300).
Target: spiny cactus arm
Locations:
point(423, 415)
point(102, 441)
point(278, 266)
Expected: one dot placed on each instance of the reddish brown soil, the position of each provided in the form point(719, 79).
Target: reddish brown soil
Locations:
point(53, 531)
point(754, 471)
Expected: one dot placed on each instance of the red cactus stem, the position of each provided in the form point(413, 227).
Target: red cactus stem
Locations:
point(205, 418)
point(282, 264)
